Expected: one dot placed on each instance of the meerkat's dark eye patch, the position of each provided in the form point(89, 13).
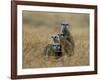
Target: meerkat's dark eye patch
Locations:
point(65, 24)
point(53, 46)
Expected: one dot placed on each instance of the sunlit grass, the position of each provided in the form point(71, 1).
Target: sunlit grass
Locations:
point(35, 40)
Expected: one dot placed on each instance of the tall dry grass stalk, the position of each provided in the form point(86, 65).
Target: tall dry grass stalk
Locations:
point(35, 40)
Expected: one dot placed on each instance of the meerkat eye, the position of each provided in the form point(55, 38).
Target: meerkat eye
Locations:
point(66, 24)
point(54, 36)
point(63, 24)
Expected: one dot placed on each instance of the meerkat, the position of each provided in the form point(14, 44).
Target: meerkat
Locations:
point(53, 49)
point(67, 42)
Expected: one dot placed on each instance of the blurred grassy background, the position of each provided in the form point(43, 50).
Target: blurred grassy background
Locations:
point(37, 30)
point(38, 19)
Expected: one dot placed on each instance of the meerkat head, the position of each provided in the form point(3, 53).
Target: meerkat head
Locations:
point(65, 27)
point(55, 38)
point(57, 47)
point(61, 36)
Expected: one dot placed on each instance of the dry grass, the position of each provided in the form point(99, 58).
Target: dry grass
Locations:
point(35, 40)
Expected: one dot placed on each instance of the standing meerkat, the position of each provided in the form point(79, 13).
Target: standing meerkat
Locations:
point(67, 42)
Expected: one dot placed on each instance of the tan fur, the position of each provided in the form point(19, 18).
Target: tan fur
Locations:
point(68, 45)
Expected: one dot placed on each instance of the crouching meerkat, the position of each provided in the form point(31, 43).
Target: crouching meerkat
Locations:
point(54, 49)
